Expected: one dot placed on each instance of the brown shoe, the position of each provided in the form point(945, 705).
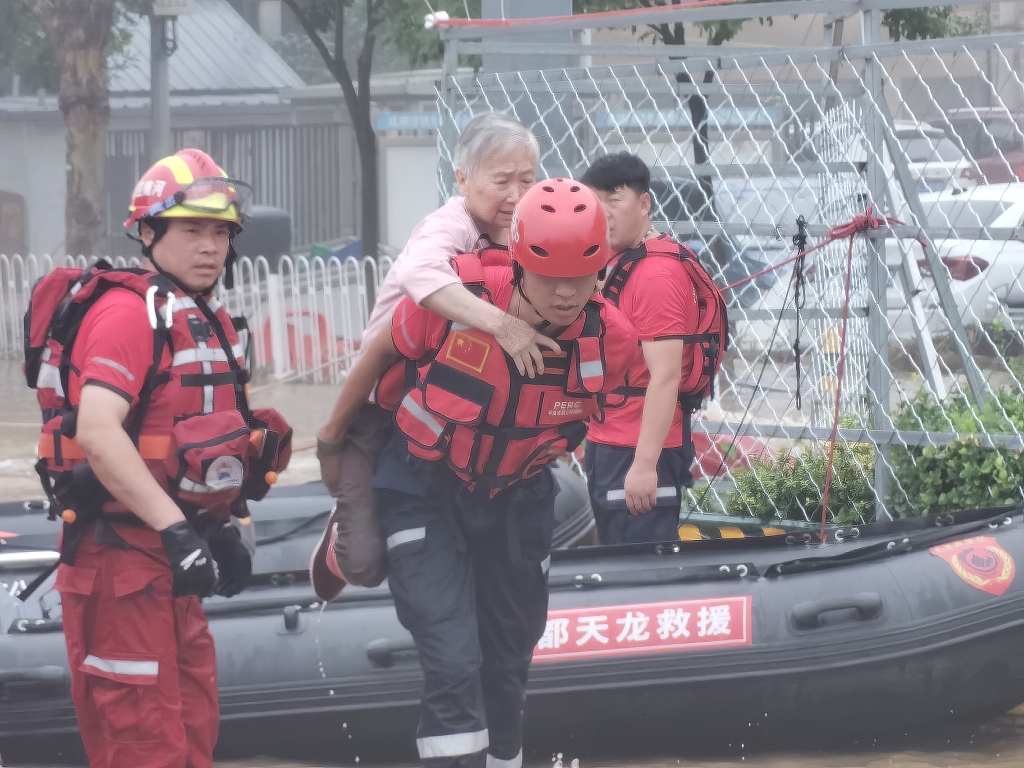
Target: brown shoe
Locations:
point(324, 573)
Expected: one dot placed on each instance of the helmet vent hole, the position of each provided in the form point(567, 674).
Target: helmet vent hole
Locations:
point(547, 208)
point(548, 188)
point(580, 208)
point(539, 251)
point(592, 250)
point(574, 188)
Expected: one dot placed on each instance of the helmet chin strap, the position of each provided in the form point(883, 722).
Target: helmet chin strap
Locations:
point(517, 281)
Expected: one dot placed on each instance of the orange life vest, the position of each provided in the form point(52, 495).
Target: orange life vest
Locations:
point(470, 406)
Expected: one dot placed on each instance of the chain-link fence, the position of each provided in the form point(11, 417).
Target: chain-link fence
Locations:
point(751, 149)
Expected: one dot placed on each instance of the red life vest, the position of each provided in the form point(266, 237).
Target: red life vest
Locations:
point(471, 407)
point(192, 424)
point(492, 255)
point(705, 347)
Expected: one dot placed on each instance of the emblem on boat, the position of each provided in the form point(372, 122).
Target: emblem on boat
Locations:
point(623, 630)
point(979, 561)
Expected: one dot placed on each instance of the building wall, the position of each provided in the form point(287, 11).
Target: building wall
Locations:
point(408, 185)
point(33, 165)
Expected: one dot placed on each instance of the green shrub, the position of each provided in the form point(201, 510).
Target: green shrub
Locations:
point(789, 485)
point(962, 474)
point(956, 476)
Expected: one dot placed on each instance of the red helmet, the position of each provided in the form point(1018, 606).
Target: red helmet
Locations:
point(559, 230)
point(188, 184)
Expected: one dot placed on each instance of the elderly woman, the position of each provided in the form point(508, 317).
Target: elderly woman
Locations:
point(495, 162)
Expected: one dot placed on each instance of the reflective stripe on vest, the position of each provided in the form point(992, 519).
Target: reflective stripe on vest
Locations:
point(206, 355)
point(49, 377)
point(419, 425)
point(405, 537)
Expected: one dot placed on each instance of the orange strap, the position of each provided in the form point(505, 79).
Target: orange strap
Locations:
point(152, 447)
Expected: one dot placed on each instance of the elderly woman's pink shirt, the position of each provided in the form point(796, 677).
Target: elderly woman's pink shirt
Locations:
point(423, 267)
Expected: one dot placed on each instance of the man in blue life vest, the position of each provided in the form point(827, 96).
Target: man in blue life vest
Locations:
point(638, 453)
point(464, 489)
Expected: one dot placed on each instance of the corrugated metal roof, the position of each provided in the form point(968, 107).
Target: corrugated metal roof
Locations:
point(217, 51)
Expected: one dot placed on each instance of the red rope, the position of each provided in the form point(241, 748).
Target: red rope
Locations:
point(610, 16)
point(859, 224)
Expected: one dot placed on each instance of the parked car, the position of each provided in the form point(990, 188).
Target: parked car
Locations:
point(777, 199)
point(976, 305)
point(935, 160)
point(994, 137)
point(995, 264)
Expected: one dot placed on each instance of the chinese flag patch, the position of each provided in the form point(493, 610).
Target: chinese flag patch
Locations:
point(980, 562)
point(467, 351)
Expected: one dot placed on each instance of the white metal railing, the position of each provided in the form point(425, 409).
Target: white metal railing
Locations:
point(305, 319)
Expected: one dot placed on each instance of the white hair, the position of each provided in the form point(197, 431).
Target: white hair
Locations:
point(491, 134)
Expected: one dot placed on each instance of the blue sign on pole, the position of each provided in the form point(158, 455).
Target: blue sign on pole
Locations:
point(407, 121)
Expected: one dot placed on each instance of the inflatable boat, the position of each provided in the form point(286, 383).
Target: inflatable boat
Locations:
point(766, 638)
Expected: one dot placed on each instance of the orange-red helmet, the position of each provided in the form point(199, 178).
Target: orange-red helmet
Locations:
point(559, 230)
point(188, 184)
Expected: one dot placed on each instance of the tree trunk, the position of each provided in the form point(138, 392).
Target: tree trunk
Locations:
point(79, 32)
point(701, 148)
point(366, 139)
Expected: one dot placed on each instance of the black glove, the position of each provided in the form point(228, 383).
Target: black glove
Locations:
point(234, 563)
point(190, 559)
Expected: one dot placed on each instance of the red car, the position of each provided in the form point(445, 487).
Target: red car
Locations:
point(993, 138)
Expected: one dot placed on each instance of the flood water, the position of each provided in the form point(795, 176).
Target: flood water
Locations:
point(999, 744)
point(996, 745)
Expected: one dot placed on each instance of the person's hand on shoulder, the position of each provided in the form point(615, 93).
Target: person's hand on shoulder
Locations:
point(524, 345)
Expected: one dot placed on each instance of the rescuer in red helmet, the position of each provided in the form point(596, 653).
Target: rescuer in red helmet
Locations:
point(150, 448)
point(464, 490)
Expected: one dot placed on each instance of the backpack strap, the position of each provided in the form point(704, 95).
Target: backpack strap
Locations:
point(620, 273)
point(494, 255)
point(470, 268)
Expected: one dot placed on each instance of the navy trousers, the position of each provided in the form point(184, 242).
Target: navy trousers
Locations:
point(469, 580)
point(607, 466)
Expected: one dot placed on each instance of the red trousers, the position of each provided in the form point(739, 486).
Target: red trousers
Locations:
point(143, 668)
